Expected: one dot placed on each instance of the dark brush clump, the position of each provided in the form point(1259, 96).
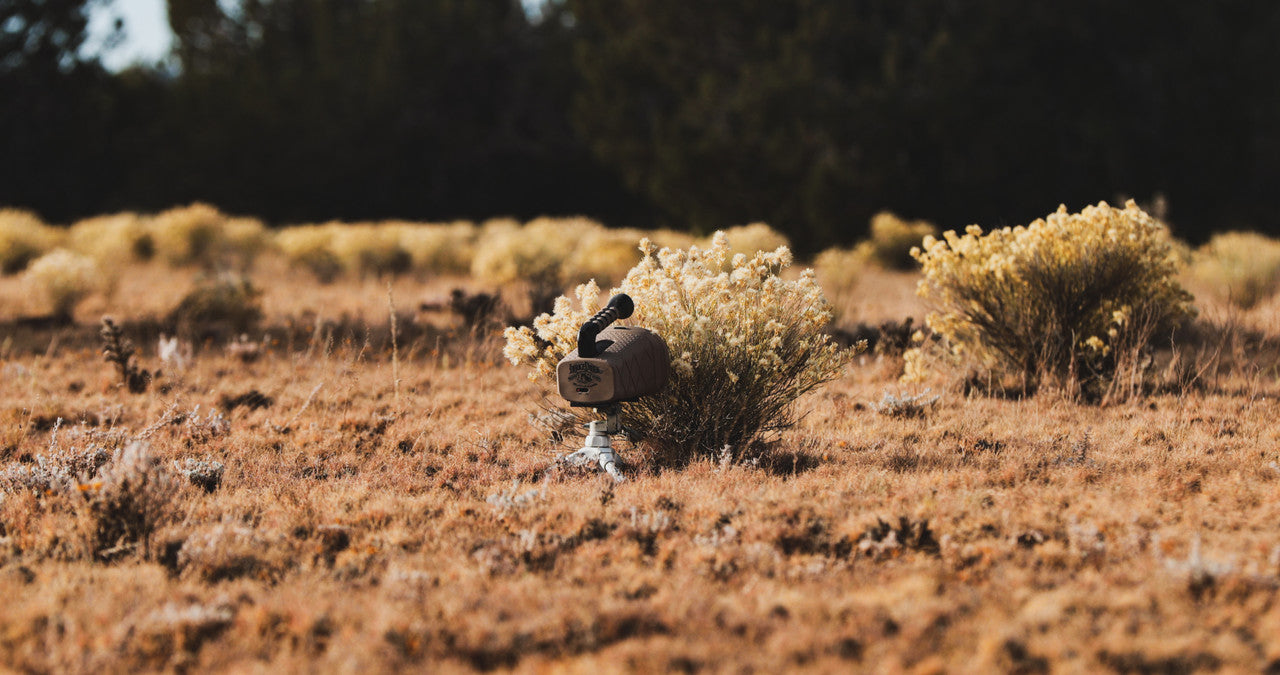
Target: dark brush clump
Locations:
point(890, 338)
point(252, 399)
point(118, 350)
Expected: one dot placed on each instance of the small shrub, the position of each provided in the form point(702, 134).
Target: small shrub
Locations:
point(439, 249)
point(887, 539)
point(535, 253)
point(130, 497)
point(118, 350)
point(892, 239)
point(1243, 267)
point(310, 247)
point(200, 430)
point(64, 279)
point(204, 474)
point(112, 240)
point(745, 344)
point(229, 304)
point(603, 255)
point(23, 238)
point(890, 338)
point(906, 405)
point(175, 633)
point(1068, 298)
point(839, 269)
point(57, 471)
point(187, 235)
point(251, 400)
point(241, 241)
point(374, 250)
point(229, 551)
point(514, 499)
point(889, 247)
point(475, 309)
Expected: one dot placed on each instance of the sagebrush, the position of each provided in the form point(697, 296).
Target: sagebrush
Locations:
point(64, 279)
point(1242, 267)
point(892, 239)
point(23, 238)
point(1070, 298)
point(745, 343)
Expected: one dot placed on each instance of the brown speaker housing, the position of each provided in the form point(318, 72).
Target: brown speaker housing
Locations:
point(630, 362)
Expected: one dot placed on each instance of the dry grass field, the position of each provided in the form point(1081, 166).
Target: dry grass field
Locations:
point(390, 507)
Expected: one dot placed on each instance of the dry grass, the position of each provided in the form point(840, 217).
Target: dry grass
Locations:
point(353, 531)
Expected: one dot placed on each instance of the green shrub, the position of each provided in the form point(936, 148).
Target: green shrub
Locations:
point(1072, 298)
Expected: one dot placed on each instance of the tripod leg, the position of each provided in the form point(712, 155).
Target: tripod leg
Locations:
point(597, 450)
point(609, 462)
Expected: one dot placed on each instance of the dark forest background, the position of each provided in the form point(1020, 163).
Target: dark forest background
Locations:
point(807, 114)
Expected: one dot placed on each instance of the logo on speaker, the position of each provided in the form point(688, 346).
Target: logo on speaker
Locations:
point(584, 374)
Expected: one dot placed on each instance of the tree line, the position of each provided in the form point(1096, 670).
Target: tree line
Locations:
point(808, 114)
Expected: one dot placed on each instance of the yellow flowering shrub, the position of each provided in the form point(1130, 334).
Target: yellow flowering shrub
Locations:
point(365, 249)
point(603, 255)
point(200, 234)
point(23, 238)
point(64, 278)
point(892, 239)
point(310, 247)
point(392, 247)
point(112, 239)
point(1243, 267)
point(745, 343)
point(241, 241)
point(188, 234)
point(536, 252)
point(439, 248)
point(1065, 298)
point(495, 226)
point(560, 251)
point(838, 269)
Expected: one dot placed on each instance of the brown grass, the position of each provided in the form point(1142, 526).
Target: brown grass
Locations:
point(354, 532)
